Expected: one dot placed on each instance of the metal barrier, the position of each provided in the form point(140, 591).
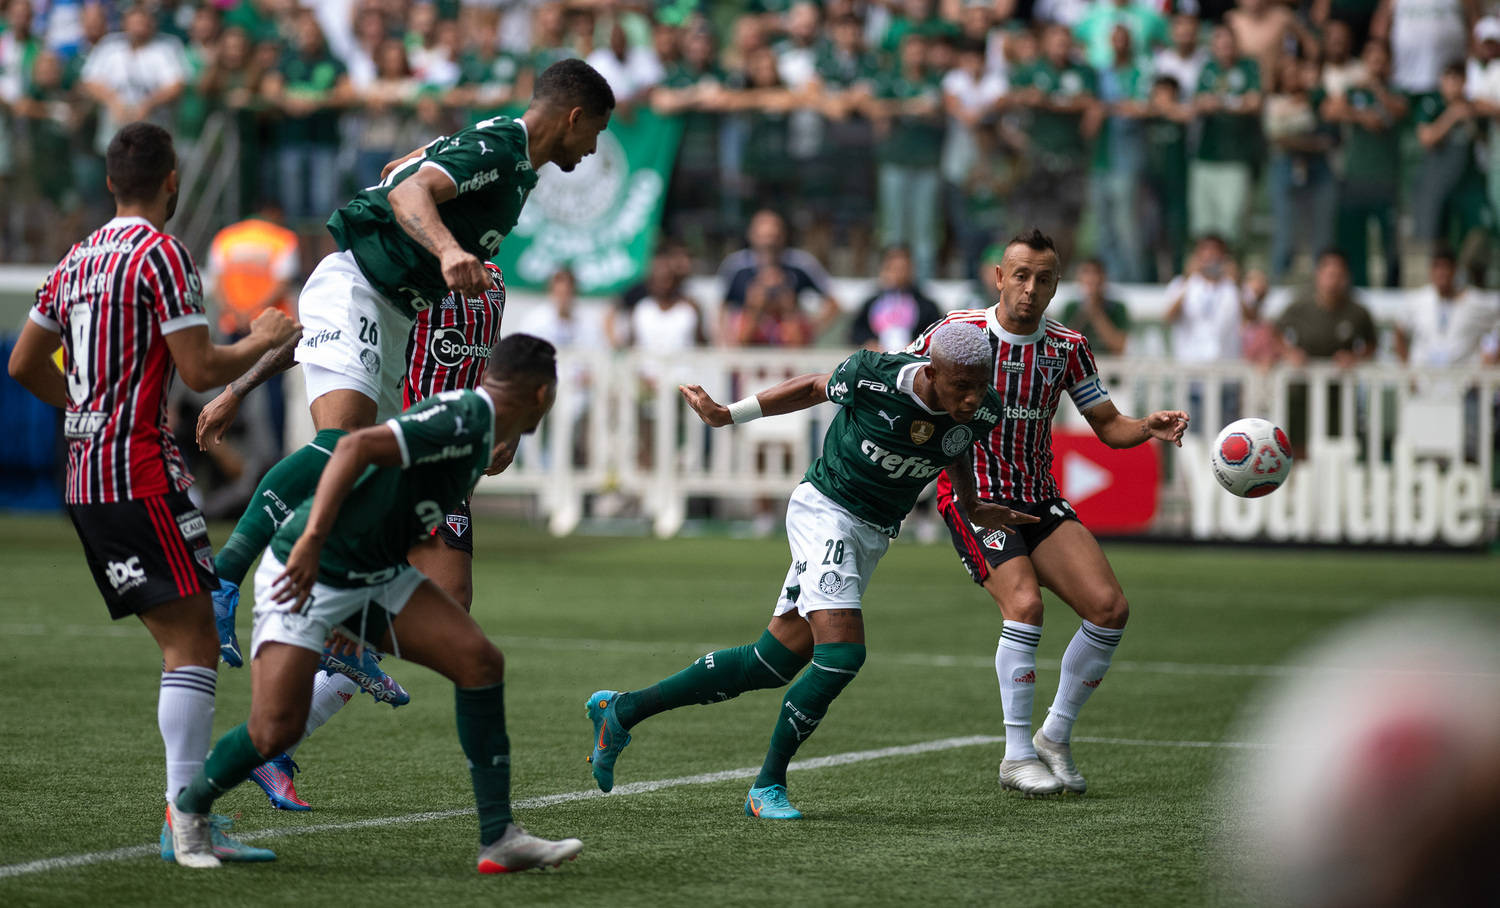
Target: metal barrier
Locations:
point(1385, 454)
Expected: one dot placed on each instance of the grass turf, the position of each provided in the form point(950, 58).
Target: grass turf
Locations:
point(80, 757)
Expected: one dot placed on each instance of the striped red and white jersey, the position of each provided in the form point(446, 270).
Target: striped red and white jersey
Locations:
point(450, 343)
point(113, 298)
point(1031, 373)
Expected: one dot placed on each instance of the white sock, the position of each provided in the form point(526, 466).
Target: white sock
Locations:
point(330, 693)
point(1015, 666)
point(185, 715)
point(1083, 666)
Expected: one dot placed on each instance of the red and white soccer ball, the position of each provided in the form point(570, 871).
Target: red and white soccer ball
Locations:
point(1252, 457)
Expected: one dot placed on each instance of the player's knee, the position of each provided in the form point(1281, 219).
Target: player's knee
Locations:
point(1024, 606)
point(484, 665)
point(1112, 610)
point(272, 731)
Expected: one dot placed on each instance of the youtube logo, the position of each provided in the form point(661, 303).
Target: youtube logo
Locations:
point(1114, 491)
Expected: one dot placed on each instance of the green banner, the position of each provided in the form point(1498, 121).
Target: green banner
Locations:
point(602, 219)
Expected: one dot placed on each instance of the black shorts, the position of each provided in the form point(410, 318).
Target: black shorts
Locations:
point(457, 530)
point(981, 549)
point(145, 551)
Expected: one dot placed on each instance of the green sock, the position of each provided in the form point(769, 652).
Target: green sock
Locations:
point(285, 486)
point(229, 763)
point(834, 665)
point(720, 675)
point(481, 733)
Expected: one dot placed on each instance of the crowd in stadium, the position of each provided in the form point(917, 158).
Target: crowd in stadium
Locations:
point(1126, 129)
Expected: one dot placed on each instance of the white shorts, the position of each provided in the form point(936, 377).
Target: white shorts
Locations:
point(834, 554)
point(325, 609)
point(352, 339)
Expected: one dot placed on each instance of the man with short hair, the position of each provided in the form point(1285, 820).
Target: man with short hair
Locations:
point(424, 232)
point(898, 311)
point(901, 419)
point(339, 566)
point(767, 250)
point(1445, 324)
point(1228, 99)
point(1103, 322)
point(134, 75)
point(1036, 360)
point(126, 305)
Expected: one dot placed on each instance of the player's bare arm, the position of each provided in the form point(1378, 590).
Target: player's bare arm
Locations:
point(373, 446)
point(415, 202)
point(205, 364)
point(32, 366)
point(1120, 431)
point(987, 514)
point(215, 419)
point(788, 397)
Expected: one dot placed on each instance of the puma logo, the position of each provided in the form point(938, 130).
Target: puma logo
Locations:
point(483, 148)
point(890, 419)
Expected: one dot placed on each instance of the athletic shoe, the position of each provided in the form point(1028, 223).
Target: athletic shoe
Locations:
point(1059, 760)
point(770, 803)
point(609, 737)
point(192, 842)
point(225, 848)
point(363, 667)
point(1029, 777)
point(275, 779)
point(226, 599)
point(519, 850)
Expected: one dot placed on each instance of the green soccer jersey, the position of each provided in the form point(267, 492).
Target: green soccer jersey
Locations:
point(1056, 134)
point(490, 165)
point(1229, 136)
point(1372, 157)
point(885, 446)
point(445, 442)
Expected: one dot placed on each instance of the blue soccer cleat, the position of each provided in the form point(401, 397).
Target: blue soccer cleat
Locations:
point(770, 803)
point(275, 779)
point(609, 737)
point(225, 848)
point(226, 599)
point(363, 668)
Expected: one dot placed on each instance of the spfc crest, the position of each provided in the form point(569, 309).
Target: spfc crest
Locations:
point(458, 523)
point(921, 430)
point(1050, 366)
point(994, 539)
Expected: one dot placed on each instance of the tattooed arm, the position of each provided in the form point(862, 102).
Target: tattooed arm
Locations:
point(216, 418)
point(414, 202)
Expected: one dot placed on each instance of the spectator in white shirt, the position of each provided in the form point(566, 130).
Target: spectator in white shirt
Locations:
point(1342, 70)
point(1205, 309)
point(630, 71)
point(1447, 325)
point(1185, 58)
point(134, 75)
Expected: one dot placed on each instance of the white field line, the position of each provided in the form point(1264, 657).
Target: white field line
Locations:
point(65, 862)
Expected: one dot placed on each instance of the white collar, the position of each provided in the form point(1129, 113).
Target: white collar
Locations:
point(993, 321)
point(129, 221)
point(906, 380)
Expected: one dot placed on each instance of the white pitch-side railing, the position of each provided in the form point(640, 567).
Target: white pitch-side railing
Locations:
point(620, 426)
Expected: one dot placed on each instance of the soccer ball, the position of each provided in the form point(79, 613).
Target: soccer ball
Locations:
point(1252, 457)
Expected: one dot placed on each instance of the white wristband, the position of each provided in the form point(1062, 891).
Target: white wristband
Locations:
point(745, 410)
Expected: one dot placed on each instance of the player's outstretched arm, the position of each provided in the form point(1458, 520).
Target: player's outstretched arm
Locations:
point(215, 419)
point(987, 514)
point(205, 364)
point(32, 366)
point(374, 446)
point(1120, 431)
point(414, 202)
point(788, 397)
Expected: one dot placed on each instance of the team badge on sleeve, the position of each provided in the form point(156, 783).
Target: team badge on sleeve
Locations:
point(458, 523)
point(921, 431)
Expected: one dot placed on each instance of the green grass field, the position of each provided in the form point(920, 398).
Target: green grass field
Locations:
point(80, 757)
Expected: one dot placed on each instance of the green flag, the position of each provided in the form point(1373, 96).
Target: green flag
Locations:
point(602, 219)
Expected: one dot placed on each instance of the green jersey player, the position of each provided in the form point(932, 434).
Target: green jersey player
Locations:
point(404, 244)
point(338, 565)
point(903, 419)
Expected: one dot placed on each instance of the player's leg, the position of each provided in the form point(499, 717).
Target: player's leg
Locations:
point(997, 561)
point(431, 629)
point(448, 557)
point(1070, 563)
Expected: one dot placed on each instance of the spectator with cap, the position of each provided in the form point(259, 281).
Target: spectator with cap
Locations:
point(898, 311)
point(794, 269)
point(1371, 113)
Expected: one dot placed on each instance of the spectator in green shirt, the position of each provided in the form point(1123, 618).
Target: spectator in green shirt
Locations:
point(1449, 202)
point(1228, 101)
point(491, 80)
point(1166, 125)
point(1103, 321)
point(1371, 113)
point(1300, 173)
point(1146, 26)
point(693, 88)
point(310, 89)
point(846, 73)
point(1120, 161)
point(908, 115)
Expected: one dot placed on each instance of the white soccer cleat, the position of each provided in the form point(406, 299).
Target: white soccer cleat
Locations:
point(192, 838)
point(1059, 760)
point(1029, 777)
point(518, 850)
